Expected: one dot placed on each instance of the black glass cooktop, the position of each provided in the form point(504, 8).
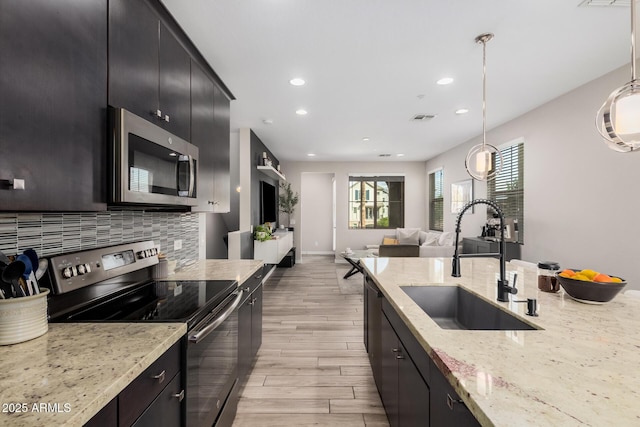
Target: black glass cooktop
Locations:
point(174, 301)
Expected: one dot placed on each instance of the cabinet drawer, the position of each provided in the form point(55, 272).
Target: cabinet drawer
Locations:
point(252, 282)
point(133, 400)
point(165, 409)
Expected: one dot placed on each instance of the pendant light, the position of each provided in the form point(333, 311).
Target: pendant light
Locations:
point(618, 120)
point(480, 158)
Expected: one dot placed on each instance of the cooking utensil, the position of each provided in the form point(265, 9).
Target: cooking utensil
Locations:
point(11, 274)
point(42, 268)
point(4, 259)
point(33, 257)
point(32, 285)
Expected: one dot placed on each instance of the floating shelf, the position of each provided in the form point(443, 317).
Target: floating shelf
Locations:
point(272, 172)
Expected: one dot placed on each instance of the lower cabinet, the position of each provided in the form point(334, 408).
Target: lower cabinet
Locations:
point(155, 398)
point(413, 390)
point(249, 325)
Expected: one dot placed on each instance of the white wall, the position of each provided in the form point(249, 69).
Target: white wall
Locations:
point(415, 196)
point(316, 213)
point(581, 199)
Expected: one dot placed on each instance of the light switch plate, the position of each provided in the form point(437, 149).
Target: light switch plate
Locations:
point(177, 244)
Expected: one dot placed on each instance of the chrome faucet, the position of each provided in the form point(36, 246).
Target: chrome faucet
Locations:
point(503, 284)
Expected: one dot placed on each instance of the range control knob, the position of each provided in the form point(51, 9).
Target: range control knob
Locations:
point(142, 254)
point(67, 273)
point(80, 268)
point(87, 268)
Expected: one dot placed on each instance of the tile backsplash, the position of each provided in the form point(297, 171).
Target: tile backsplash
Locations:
point(55, 233)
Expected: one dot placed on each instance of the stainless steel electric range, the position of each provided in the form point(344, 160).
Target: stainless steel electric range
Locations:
point(114, 284)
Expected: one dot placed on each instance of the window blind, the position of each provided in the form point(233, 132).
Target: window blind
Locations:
point(436, 201)
point(507, 187)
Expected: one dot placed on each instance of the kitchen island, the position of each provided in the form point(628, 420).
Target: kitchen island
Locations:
point(579, 368)
point(66, 376)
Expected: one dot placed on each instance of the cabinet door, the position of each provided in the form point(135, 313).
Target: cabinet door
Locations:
point(446, 407)
point(388, 386)
point(256, 321)
point(202, 135)
point(53, 71)
point(373, 315)
point(244, 339)
point(175, 85)
point(133, 57)
point(107, 417)
point(221, 160)
point(413, 394)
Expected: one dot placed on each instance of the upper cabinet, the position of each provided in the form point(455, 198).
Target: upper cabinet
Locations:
point(210, 133)
point(53, 98)
point(149, 70)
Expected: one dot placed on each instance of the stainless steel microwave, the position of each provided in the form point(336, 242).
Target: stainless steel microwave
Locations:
point(151, 165)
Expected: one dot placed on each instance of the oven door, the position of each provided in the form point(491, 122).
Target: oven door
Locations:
point(212, 362)
point(151, 165)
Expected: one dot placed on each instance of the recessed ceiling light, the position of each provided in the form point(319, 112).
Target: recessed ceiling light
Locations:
point(267, 121)
point(445, 81)
point(400, 155)
point(311, 155)
point(301, 112)
point(366, 138)
point(462, 111)
point(297, 81)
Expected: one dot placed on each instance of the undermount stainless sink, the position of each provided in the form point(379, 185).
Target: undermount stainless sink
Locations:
point(453, 307)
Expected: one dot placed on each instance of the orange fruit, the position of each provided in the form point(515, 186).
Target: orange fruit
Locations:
point(568, 273)
point(602, 278)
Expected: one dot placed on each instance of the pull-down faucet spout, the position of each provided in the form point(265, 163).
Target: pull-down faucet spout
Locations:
point(503, 284)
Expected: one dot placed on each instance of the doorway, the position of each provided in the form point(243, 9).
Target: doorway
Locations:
point(317, 214)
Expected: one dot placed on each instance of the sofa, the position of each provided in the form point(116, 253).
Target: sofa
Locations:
point(430, 244)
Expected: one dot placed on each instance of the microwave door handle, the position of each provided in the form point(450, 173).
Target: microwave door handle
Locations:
point(192, 175)
point(202, 334)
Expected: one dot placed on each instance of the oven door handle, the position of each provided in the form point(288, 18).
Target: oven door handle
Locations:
point(202, 334)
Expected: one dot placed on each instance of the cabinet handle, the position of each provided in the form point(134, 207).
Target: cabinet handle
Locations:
point(166, 118)
point(258, 277)
point(451, 401)
point(395, 350)
point(159, 377)
point(159, 114)
point(247, 289)
point(213, 202)
point(399, 356)
point(179, 396)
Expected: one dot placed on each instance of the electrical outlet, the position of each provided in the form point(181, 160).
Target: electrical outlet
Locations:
point(177, 244)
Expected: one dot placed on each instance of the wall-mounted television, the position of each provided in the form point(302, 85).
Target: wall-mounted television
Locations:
point(268, 203)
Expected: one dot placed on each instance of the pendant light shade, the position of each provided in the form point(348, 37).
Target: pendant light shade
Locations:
point(618, 120)
point(479, 161)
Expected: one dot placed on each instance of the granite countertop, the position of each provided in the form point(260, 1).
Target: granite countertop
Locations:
point(580, 369)
point(218, 269)
point(67, 375)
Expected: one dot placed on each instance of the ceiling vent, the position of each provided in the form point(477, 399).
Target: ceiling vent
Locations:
point(606, 3)
point(422, 117)
point(384, 155)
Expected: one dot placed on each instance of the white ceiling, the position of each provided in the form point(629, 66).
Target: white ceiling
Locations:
point(370, 65)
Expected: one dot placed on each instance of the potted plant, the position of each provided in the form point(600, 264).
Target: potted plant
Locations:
point(262, 232)
point(287, 200)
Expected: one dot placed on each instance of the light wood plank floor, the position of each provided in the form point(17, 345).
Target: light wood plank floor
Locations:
point(312, 369)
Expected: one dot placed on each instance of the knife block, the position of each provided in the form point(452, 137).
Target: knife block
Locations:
point(24, 318)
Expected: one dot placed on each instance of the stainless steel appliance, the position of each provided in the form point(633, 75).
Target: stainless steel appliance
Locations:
point(492, 230)
point(114, 284)
point(150, 165)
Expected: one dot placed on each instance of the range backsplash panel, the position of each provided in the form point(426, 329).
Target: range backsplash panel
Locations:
point(55, 233)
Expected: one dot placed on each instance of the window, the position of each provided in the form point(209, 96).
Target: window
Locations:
point(507, 188)
point(376, 202)
point(436, 201)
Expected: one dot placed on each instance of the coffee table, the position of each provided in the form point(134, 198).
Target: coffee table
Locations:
point(353, 258)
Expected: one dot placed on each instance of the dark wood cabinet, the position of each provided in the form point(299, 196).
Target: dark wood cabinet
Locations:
point(413, 390)
point(149, 70)
point(53, 75)
point(222, 147)
point(478, 245)
point(107, 417)
point(249, 325)
point(165, 410)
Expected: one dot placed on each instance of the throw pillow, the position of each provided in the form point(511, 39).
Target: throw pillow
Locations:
point(408, 236)
point(446, 238)
point(431, 239)
point(389, 241)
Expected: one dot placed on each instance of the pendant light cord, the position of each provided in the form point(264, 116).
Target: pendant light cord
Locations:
point(633, 40)
point(484, 94)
